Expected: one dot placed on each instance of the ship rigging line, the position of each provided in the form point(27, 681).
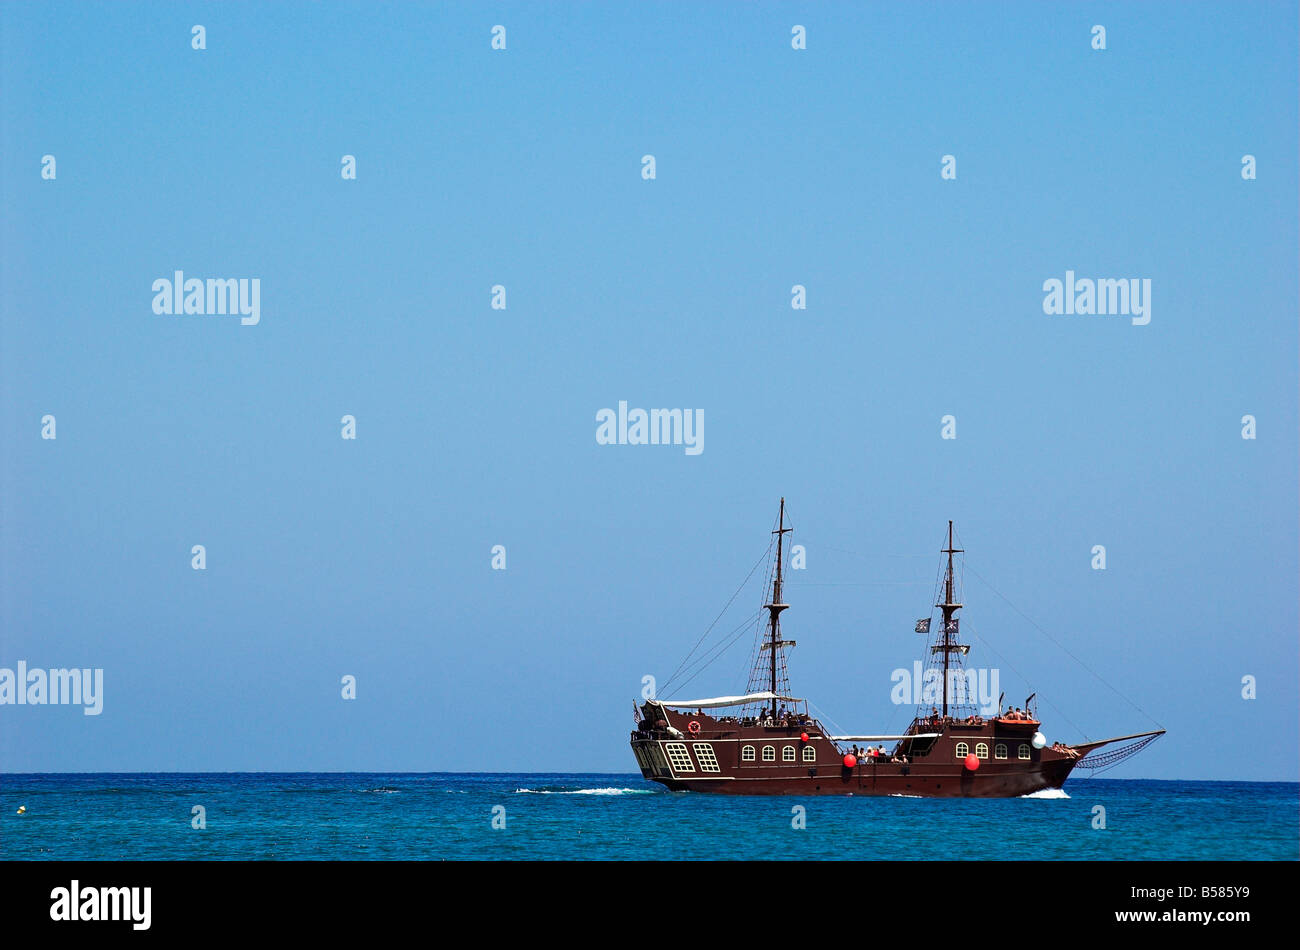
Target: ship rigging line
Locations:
point(1041, 699)
point(1066, 651)
point(822, 717)
point(721, 648)
point(685, 659)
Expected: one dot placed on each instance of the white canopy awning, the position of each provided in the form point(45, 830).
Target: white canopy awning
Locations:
point(717, 701)
point(923, 735)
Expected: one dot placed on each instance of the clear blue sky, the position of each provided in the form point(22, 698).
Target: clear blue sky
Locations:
point(476, 426)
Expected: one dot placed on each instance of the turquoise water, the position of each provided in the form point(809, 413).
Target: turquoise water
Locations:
point(371, 816)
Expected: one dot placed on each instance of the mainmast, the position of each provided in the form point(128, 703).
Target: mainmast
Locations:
point(775, 607)
point(949, 607)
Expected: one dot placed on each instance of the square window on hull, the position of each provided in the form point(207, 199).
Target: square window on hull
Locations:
point(708, 761)
point(679, 757)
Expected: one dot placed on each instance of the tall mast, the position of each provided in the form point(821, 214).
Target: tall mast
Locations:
point(775, 607)
point(949, 608)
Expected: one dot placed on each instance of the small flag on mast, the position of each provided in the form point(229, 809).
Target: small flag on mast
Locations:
point(952, 626)
point(923, 626)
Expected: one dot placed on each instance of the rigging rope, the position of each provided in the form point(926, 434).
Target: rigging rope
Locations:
point(1028, 684)
point(761, 559)
point(719, 649)
point(1096, 675)
point(822, 717)
point(756, 651)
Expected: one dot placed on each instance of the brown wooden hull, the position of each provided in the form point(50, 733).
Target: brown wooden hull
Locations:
point(701, 754)
point(887, 779)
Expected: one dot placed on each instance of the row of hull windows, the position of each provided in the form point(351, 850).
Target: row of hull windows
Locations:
point(679, 756)
point(999, 750)
point(788, 753)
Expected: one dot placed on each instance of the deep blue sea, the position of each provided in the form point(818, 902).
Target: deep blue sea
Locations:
point(374, 816)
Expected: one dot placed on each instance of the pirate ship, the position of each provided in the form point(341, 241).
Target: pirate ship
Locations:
point(767, 742)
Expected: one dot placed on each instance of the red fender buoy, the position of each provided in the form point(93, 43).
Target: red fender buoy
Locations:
point(972, 762)
point(803, 737)
point(850, 760)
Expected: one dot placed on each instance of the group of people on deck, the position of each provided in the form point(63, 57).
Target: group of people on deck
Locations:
point(936, 721)
point(1063, 748)
point(1014, 714)
point(878, 752)
point(779, 717)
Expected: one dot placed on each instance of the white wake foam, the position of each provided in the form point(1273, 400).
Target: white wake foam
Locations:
point(1047, 793)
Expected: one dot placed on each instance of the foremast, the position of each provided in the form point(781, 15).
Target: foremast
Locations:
point(768, 673)
point(776, 606)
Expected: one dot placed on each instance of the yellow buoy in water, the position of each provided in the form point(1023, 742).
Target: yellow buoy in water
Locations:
point(21, 809)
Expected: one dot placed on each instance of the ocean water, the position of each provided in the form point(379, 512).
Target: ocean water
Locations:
point(373, 816)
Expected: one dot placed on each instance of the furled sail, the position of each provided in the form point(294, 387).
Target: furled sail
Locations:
point(718, 701)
